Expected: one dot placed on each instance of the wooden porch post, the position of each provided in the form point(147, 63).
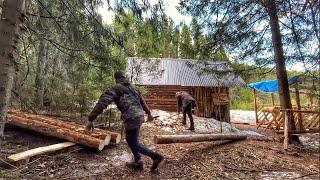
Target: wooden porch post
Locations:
point(286, 130)
point(299, 107)
point(272, 98)
point(311, 100)
point(255, 106)
point(229, 106)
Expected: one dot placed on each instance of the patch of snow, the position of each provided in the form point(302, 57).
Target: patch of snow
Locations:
point(243, 116)
point(119, 160)
point(252, 133)
point(210, 125)
point(279, 175)
point(310, 140)
point(168, 129)
point(169, 122)
point(96, 167)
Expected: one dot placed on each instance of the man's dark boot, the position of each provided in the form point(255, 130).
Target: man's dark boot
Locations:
point(138, 165)
point(156, 163)
point(191, 124)
point(191, 128)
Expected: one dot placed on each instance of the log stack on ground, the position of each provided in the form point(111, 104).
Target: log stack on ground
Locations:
point(68, 131)
point(167, 139)
point(115, 137)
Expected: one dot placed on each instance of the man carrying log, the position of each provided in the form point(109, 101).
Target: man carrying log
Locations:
point(187, 103)
point(132, 106)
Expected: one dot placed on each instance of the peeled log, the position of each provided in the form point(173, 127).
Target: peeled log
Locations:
point(167, 139)
point(98, 133)
point(59, 132)
point(39, 150)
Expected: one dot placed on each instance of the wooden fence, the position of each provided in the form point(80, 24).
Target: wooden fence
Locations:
point(272, 117)
point(306, 121)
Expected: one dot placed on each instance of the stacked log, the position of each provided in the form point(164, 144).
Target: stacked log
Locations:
point(115, 137)
point(65, 130)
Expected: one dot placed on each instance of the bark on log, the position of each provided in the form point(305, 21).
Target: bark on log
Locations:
point(98, 133)
point(39, 150)
point(167, 139)
point(60, 132)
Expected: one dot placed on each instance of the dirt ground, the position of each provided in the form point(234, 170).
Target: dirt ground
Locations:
point(247, 159)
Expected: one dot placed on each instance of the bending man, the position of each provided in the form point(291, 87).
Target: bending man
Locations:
point(187, 103)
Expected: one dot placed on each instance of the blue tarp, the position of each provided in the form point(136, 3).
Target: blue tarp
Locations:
point(271, 86)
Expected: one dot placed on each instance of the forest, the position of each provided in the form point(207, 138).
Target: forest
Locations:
point(66, 51)
point(58, 57)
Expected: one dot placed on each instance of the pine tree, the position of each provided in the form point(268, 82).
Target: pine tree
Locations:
point(186, 51)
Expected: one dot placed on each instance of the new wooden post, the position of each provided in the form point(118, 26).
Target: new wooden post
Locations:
point(286, 130)
point(255, 106)
point(272, 98)
point(299, 107)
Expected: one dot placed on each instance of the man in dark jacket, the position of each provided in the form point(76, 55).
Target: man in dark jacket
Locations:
point(132, 106)
point(187, 103)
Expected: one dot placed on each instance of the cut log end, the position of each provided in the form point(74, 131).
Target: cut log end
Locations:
point(107, 140)
point(101, 146)
point(118, 139)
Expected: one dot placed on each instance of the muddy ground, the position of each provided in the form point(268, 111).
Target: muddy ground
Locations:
point(248, 159)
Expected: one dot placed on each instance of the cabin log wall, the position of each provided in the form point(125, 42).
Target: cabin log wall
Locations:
point(211, 101)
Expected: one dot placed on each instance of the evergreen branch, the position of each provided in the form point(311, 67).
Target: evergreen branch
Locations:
point(46, 17)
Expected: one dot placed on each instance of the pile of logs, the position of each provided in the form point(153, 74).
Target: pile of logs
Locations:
point(64, 130)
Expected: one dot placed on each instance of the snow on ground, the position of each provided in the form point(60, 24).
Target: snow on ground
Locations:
point(310, 140)
point(241, 116)
point(170, 122)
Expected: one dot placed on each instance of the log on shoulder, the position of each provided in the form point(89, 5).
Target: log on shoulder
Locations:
point(167, 139)
point(39, 150)
point(56, 131)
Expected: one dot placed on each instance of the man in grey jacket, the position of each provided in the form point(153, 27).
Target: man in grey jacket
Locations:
point(133, 107)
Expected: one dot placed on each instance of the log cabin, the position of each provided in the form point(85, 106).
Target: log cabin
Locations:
point(207, 81)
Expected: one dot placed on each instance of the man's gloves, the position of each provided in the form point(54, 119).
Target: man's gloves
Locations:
point(150, 118)
point(89, 127)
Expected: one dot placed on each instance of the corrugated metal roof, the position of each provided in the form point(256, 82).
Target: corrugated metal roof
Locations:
point(183, 72)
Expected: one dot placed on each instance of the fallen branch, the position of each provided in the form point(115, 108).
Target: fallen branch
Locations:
point(249, 170)
point(5, 162)
point(306, 175)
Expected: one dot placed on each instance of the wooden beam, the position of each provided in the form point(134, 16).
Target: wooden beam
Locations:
point(39, 150)
point(301, 111)
point(286, 130)
point(255, 105)
point(272, 98)
point(167, 139)
point(299, 107)
point(301, 132)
